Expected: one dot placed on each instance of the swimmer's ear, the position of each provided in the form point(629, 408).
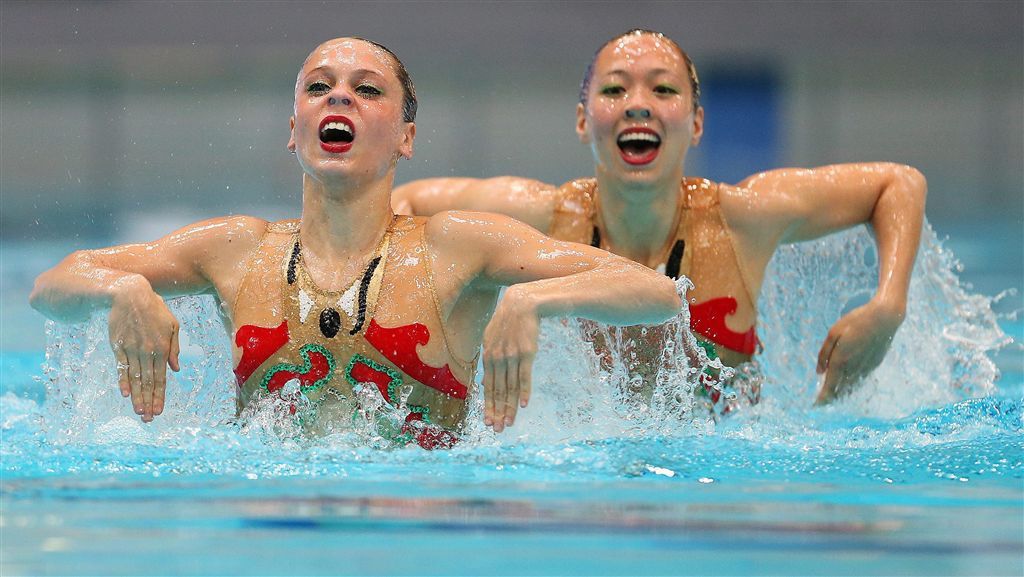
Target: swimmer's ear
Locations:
point(408, 138)
point(581, 123)
point(698, 126)
point(291, 135)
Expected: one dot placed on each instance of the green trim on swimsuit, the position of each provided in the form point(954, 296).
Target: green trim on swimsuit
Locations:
point(305, 368)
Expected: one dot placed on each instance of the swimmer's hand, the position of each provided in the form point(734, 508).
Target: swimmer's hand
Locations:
point(144, 338)
point(855, 346)
point(509, 347)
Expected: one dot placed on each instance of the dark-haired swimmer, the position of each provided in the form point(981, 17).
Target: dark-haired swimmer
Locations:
point(640, 113)
point(352, 298)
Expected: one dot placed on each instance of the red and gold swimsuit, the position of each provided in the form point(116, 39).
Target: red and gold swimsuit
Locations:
point(335, 344)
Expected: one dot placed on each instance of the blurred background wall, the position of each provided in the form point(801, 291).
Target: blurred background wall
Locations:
point(121, 119)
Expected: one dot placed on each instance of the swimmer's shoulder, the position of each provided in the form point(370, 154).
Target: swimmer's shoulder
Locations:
point(757, 212)
point(574, 206)
point(239, 230)
point(762, 200)
point(466, 231)
point(223, 241)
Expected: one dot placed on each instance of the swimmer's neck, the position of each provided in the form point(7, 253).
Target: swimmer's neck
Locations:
point(344, 222)
point(638, 220)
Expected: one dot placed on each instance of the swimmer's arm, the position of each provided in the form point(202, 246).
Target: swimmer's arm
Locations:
point(523, 199)
point(183, 262)
point(546, 278)
point(807, 204)
point(130, 280)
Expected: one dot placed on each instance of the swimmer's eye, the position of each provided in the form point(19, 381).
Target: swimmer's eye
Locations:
point(612, 90)
point(318, 88)
point(368, 90)
point(665, 89)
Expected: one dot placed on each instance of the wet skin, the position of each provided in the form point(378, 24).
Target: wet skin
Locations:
point(346, 186)
point(640, 83)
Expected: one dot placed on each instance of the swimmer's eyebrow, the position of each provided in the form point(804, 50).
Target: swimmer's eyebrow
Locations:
point(616, 72)
point(651, 73)
point(327, 70)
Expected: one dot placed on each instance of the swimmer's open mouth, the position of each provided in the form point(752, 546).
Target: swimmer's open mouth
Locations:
point(336, 133)
point(638, 145)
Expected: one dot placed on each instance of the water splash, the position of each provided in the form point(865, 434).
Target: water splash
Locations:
point(941, 353)
point(931, 410)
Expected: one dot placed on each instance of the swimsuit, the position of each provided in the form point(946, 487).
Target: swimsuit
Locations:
point(703, 251)
point(339, 346)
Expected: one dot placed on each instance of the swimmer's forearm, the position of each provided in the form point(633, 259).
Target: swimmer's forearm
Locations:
point(523, 199)
point(897, 220)
point(610, 294)
point(430, 196)
point(76, 287)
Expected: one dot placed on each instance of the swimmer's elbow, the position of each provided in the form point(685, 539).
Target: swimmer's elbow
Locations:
point(46, 289)
point(35, 298)
point(669, 303)
point(39, 298)
point(917, 181)
point(912, 181)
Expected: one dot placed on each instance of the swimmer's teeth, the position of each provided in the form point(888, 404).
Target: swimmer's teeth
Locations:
point(336, 131)
point(337, 126)
point(639, 136)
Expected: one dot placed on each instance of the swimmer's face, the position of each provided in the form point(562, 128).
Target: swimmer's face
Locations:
point(639, 119)
point(348, 112)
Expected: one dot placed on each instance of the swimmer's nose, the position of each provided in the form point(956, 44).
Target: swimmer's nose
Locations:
point(340, 95)
point(634, 112)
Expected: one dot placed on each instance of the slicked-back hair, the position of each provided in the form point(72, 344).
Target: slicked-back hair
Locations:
point(691, 70)
point(409, 103)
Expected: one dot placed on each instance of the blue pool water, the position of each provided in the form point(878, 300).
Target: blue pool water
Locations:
point(918, 473)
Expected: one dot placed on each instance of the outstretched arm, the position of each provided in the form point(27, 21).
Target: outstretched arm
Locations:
point(805, 204)
point(523, 199)
point(130, 279)
point(546, 278)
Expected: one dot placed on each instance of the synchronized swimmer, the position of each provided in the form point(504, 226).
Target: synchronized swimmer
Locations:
point(352, 297)
point(640, 112)
point(359, 295)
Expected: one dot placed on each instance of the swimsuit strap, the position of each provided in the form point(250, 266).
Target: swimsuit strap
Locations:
point(287, 227)
point(744, 275)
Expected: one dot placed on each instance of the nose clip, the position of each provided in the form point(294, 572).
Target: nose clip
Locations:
point(332, 100)
point(638, 113)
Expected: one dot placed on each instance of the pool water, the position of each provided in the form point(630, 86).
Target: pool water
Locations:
point(920, 472)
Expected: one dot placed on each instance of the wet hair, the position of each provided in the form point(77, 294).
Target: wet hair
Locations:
point(691, 70)
point(409, 103)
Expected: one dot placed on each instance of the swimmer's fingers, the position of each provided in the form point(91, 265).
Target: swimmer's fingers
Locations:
point(135, 380)
point(175, 349)
point(826, 350)
point(488, 392)
point(148, 385)
point(159, 385)
point(827, 393)
point(512, 387)
point(500, 394)
point(160, 371)
point(835, 372)
point(846, 368)
point(525, 381)
point(123, 383)
point(843, 381)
